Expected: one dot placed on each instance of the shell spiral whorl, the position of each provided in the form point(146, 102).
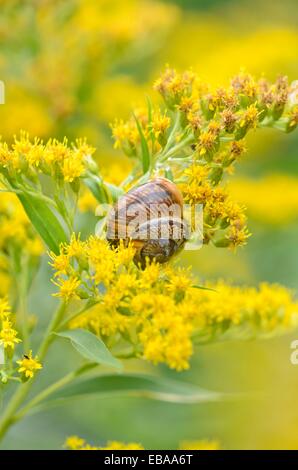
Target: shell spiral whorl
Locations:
point(151, 216)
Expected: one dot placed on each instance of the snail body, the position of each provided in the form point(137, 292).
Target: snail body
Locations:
point(151, 217)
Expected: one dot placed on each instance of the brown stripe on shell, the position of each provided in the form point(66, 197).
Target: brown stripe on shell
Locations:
point(159, 192)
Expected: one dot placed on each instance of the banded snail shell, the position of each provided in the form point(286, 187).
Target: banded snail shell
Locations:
point(151, 216)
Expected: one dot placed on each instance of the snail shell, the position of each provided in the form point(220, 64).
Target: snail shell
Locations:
point(151, 217)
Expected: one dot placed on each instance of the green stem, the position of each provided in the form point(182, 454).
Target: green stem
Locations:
point(173, 133)
point(21, 393)
point(40, 397)
point(22, 279)
point(68, 319)
point(44, 394)
point(49, 337)
point(164, 156)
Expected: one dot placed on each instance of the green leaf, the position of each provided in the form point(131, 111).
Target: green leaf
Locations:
point(150, 109)
point(140, 385)
point(44, 221)
point(144, 147)
point(169, 174)
point(149, 106)
point(114, 191)
point(96, 186)
point(90, 347)
point(104, 192)
point(195, 286)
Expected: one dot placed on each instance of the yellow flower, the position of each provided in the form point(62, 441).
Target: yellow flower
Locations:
point(5, 309)
point(54, 158)
point(34, 154)
point(150, 274)
point(77, 443)
point(29, 365)
point(160, 312)
point(207, 142)
point(126, 136)
point(125, 254)
point(159, 125)
point(8, 336)
point(180, 282)
point(60, 264)
point(238, 148)
point(68, 288)
point(75, 247)
point(249, 117)
point(72, 168)
point(174, 86)
point(74, 443)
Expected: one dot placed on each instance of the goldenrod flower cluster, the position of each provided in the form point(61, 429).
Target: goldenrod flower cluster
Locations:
point(198, 135)
point(211, 118)
point(158, 313)
point(28, 366)
point(77, 443)
point(8, 335)
point(9, 338)
point(26, 159)
point(224, 221)
point(268, 309)
point(147, 309)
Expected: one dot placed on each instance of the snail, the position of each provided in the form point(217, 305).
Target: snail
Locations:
point(151, 217)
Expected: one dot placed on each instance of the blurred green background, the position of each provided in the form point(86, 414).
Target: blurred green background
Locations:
point(69, 69)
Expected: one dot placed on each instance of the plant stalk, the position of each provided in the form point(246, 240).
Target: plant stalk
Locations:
point(22, 392)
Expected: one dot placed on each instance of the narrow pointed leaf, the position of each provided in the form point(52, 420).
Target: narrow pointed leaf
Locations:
point(90, 347)
point(44, 221)
point(96, 186)
point(144, 147)
point(139, 385)
point(195, 286)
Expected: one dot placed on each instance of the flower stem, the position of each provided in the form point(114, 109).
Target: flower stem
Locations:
point(21, 393)
point(40, 397)
point(22, 281)
point(44, 394)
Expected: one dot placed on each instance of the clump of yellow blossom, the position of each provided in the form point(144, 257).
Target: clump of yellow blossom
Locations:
point(261, 310)
point(9, 339)
point(224, 221)
point(198, 134)
point(128, 135)
point(8, 335)
point(28, 366)
point(77, 443)
point(30, 158)
point(159, 313)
